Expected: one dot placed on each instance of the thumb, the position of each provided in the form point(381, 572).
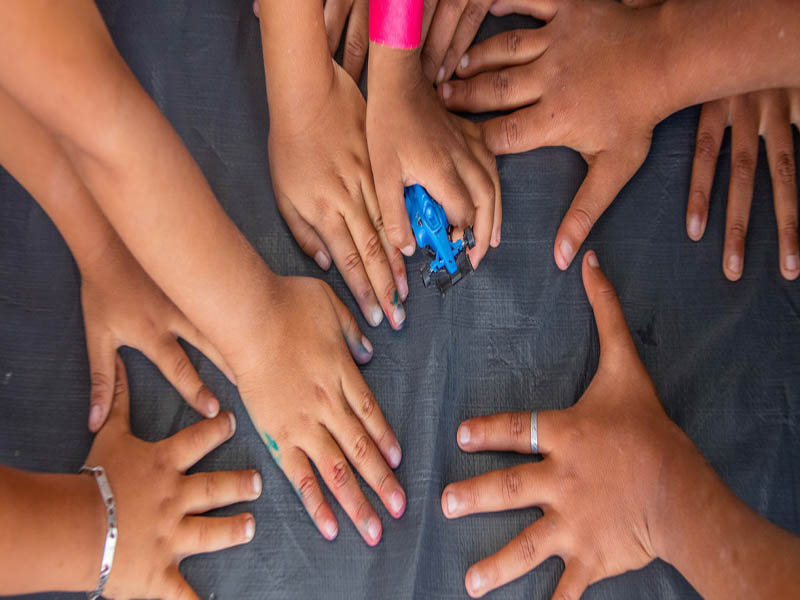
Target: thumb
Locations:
point(611, 326)
point(388, 177)
point(101, 351)
point(120, 415)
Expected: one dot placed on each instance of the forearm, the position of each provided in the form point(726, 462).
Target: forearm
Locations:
point(53, 532)
point(722, 547)
point(720, 48)
point(395, 40)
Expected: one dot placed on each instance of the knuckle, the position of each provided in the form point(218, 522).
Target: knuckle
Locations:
point(306, 488)
point(516, 425)
point(351, 262)
point(513, 41)
point(182, 368)
point(355, 48)
point(382, 481)
point(527, 548)
point(363, 512)
point(582, 219)
point(210, 487)
point(360, 449)
point(501, 84)
point(511, 132)
point(395, 234)
point(737, 229)
point(377, 223)
point(340, 474)
point(706, 147)
point(100, 386)
point(699, 197)
point(198, 438)
point(788, 227)
point(366, 404)
point(322, 396)
point(473, 14)
point(512, 484)
point(785, 167)
point(373, 250)
point(743, 167)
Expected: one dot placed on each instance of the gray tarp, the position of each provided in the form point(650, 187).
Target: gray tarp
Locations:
point(518, 334)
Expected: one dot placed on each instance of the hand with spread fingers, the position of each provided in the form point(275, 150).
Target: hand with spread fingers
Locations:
point(320, 168)
point(619, 485)
point(451, 32)
point(157, 505)
point(769, 114)
point(413, 139)
point(572, 88)
point(309, 402)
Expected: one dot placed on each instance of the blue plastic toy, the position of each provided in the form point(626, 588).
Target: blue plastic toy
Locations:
point(449, 260)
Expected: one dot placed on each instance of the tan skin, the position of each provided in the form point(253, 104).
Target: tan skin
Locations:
point(648, 63)
point(619, 485)
point(122, 306)
point(55, 525)
point(319, 161)
point(289, 341)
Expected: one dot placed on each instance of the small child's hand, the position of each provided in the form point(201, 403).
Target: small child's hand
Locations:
point(308, 401)
point(156, 502)
point(122, 306)
point(321, 173)
point(769, 114)
point(413, 139)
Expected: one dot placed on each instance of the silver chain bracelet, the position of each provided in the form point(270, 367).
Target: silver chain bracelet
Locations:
point(111, 531)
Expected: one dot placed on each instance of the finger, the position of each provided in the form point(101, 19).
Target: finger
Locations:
point(341, 481)
point(102, 372)
point(191, 444)
point(299, 473)
point(375, 262)
point(198, 535)
point(511, 48)
point(497, 224)
point(363, 454)
point(481, 189)
point(506, 89)
point(468, 25)
point(206, 491)
point(713, 120)
point(525, 129)
point(183, 329)
point(174, 586)
point(508, 432)
point(256, 9)
point(744, 156)
point(535, 544)
point(396, 262)
point(612, 329)
point(335, 14)
point(544, 10)
point(780, 155)
point(360, 347)
point(505, 489)
point(445, 20)
point(574, 581)
point(356, 41)
point(308, 239)
point(445, 185)
point(389, 187)
point(607, 175)
point(366, 408)
point(173, 363)
point(348, 260)
point(120, 412)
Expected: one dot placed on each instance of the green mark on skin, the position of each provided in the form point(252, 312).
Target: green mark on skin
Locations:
point(272, 446)
point(395, 299)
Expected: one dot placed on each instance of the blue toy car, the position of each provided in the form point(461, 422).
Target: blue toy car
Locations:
point(449, 260)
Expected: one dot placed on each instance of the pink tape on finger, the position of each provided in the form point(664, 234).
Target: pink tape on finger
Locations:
point(396, 23)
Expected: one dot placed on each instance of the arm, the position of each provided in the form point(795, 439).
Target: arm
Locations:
point(286, 339)
point(121, 304)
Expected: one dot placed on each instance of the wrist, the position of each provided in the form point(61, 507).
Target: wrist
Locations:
point(392, 70)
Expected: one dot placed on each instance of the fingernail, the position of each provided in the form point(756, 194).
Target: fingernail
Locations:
point(734, 263)
point(249, 528)
point(463, 435)
point(452, 503)
point(497, 238)
point(440, 75)
point(790, 262)
point(475, 580)
point(408, 250)
point(592, 260)
point(212, 407)
point(695, 225)
point(95, 414)
point(376, 316)
point(395, 456)
point(256, 9)
point(366, 345)
point(566, 251)
point(232, 420)
point(402, 288)
point(331, 529)
point(396, 502)
point(257, 484)
point(464, 62)
point(447, 90)
point(398, 315)
point(373, 529)
point(323, 260)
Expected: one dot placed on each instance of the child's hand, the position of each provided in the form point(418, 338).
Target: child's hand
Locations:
point(122, 306)
point(308, 401)
point(413, 139)
point(584, 81)
point(324, 189)
point(769, 114)
point(155, 501)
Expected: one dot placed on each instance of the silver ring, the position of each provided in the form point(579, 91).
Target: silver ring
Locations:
point(534, 432)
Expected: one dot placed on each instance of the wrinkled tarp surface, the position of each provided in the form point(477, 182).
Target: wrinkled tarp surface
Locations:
point(517, 335)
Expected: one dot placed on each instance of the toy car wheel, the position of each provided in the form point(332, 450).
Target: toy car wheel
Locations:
point(469, 238)
point(426, 275)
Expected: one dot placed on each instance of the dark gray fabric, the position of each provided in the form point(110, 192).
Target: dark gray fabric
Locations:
point(518, 334)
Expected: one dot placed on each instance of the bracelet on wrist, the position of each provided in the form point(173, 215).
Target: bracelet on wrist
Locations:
point(111, 530)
